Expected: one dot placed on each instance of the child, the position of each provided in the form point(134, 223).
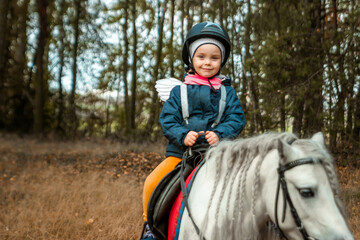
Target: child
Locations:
point(205, 52)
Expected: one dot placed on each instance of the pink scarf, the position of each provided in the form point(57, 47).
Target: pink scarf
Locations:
point(199, 80)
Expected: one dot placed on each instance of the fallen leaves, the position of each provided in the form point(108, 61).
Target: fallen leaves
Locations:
point(138, 164)
point(89, 221)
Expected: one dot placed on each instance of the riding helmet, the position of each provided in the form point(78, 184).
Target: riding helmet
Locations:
point(206, 30)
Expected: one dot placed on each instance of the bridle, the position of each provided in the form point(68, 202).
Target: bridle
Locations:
point(287, 199)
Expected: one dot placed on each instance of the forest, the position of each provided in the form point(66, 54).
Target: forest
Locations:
point(85, 68)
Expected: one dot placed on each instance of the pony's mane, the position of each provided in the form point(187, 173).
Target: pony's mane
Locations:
point(233, 158)
point(251, 147)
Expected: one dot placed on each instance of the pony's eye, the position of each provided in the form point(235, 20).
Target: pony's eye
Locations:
point(306, 192)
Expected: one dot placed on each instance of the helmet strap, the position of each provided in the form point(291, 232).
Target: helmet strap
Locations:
point(190, 67)
point(211, 86)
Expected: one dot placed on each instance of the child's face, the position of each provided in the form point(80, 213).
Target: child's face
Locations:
point(207, 60)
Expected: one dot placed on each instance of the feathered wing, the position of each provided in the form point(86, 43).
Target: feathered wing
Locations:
point(164, 86)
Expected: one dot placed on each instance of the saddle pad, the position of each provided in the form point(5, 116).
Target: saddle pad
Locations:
point(174, 217)
point(162, 199)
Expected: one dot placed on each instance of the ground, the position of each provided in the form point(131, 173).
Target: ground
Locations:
point(53, 189)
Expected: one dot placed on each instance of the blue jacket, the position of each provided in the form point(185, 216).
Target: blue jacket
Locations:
point(203, 110)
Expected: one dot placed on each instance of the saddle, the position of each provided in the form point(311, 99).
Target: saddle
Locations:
point(168, 189)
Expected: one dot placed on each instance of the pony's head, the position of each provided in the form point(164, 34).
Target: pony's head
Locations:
point(307, 204)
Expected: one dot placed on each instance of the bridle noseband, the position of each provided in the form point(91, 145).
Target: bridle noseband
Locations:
point(282, 181)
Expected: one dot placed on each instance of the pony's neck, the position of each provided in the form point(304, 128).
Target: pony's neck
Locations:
point(260, 180)
point(266, 193)
point(223, 201)
point(230, 187)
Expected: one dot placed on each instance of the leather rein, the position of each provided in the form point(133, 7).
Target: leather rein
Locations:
point(286, 196)
point(185, 191)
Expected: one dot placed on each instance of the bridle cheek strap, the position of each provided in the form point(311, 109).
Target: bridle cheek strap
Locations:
point(284, 188)
point(287, 199)
point(282, 234)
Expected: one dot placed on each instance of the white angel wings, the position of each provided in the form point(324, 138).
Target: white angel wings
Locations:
point(164, 86)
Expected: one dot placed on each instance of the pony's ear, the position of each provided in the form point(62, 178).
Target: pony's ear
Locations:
point(285, 151)
point(319, 139)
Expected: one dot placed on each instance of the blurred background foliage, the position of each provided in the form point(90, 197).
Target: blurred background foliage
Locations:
point(83, 68)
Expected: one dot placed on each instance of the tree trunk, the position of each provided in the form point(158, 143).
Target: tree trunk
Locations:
point(221, 12)
point(4, 8)
point(4, 43)
point(340, 105)
point(21, 43)
point(350, 99)
point(39, 87)
point(258, 122)
point(201, 10)
point(125, 66)
point(341, 83)
point(118, 90)
point(350, 82)
point(356, 102)
point(134, 67)
point(72, 105)
point(61, 66)
point(171, 48)
point(182, 20)
point(18, 22)
point(282, 82)
point(154, 111)
point(107, 119)
point(247, 40)
point(298, 111)
point(213, 10)
point(314, 98)
point(233, 43)
point(356, 131)
point(21, 116)
point(188, 16)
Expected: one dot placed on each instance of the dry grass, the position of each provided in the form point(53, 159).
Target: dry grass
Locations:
point(51, 204)
point(350, 194)
point(90, 190)
point(81, 190)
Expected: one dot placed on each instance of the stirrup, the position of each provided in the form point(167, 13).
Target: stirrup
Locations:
point(146, 233)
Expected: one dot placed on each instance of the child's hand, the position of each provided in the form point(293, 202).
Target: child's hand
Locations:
point(211, 137)
point(190, 138)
